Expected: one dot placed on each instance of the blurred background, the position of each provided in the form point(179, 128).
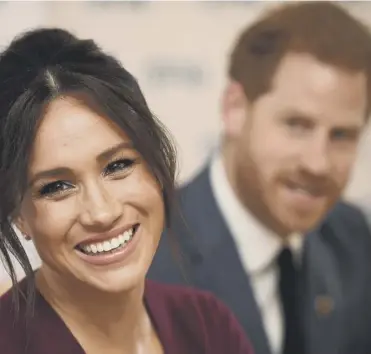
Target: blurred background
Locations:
point(178, 51)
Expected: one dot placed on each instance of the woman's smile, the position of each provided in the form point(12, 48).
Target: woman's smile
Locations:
point(112, 248)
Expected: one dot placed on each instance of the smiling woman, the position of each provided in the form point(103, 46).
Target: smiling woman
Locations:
point(87, 173)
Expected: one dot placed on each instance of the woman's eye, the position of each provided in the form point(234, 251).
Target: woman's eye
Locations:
point(118, 166)
point(54, 188)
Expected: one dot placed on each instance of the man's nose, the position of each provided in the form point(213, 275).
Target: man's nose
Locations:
point(315, 159)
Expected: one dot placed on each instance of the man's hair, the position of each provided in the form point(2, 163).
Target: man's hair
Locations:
point(322, 29)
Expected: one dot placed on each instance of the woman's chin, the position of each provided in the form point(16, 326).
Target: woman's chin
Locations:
point(116, 272)
point(115, 281)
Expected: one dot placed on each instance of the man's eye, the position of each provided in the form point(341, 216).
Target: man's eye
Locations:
point(54, 188)
point(298, 123)
point(344, 135)
point(118, 166)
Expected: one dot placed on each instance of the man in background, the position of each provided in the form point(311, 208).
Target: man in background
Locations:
point(264, 228)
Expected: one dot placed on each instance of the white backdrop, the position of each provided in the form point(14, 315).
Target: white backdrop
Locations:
point(178, 52)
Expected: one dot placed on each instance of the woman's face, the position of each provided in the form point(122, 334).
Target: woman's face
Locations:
point(93, 209)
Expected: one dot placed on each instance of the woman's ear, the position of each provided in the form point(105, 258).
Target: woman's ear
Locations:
point(21, 226)
point(27, 237)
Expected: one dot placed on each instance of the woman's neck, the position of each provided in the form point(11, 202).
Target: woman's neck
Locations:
point(94, 317)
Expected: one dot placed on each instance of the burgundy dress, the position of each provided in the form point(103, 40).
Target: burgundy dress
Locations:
point(187, 321)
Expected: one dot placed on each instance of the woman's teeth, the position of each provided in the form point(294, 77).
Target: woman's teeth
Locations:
point(108, 245)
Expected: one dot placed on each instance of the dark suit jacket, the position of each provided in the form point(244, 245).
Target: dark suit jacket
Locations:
point(335, 276)
point(187, 321)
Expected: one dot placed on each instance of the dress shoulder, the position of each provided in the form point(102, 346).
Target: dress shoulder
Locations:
point(202, 316)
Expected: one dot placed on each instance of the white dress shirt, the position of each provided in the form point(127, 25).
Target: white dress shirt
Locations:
point(258, 248)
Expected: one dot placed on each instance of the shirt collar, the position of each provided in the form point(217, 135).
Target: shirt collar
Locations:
point(257, 245)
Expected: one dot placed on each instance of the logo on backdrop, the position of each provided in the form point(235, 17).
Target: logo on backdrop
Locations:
point(172, 72)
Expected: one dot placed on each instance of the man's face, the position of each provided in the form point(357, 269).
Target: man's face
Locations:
point(294, 147)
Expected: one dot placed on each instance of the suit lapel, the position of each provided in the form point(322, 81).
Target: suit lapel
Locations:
point(323, 296)
point(219, 265)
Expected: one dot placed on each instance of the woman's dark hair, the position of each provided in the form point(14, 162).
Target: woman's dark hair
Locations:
point(44, 64)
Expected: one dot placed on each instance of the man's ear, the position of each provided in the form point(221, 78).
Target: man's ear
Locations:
point(234, 109)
